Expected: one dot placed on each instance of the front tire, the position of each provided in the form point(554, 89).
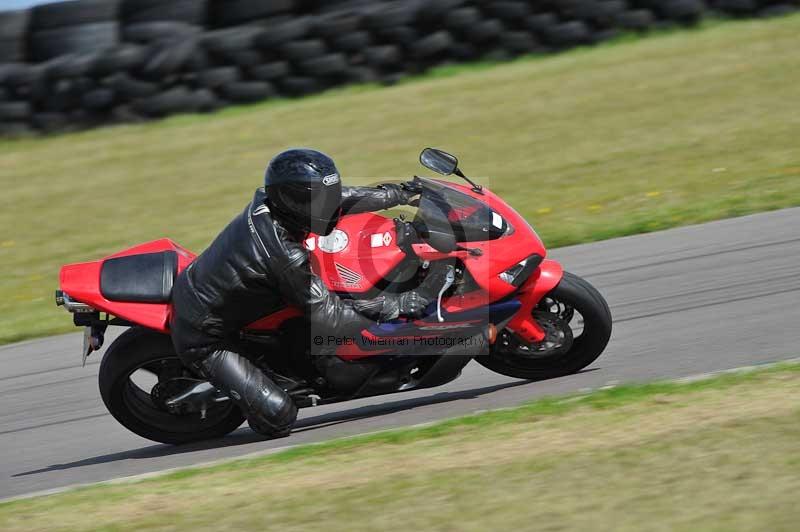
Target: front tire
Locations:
point(578, 323)
point(131, 370)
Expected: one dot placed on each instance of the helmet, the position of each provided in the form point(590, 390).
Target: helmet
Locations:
point(304, 191)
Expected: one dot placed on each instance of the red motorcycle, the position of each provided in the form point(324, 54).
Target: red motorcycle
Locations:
point(503, 304)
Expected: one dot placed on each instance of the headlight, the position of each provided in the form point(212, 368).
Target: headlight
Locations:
point(519, 273)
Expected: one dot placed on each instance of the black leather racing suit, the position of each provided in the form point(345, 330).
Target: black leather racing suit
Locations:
point(255, 267)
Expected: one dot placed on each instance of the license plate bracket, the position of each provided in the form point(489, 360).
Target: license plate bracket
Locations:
point(87, 345)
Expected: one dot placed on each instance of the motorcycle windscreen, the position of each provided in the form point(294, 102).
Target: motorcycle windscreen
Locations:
point(445, 209)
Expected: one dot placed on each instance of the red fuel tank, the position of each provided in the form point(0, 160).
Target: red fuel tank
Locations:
point(360, 252)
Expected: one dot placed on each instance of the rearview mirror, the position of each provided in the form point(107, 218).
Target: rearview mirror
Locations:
point(441, 241)
point(439, 161)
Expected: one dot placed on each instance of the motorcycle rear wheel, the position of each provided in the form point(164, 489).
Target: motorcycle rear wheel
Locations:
point(571, 345)
point(132, 368)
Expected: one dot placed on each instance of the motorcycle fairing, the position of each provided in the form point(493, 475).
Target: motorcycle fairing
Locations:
point(543, 280)
point(82, 282)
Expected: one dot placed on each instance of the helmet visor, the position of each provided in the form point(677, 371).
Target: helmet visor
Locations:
point(313, 207)
point(326, 207)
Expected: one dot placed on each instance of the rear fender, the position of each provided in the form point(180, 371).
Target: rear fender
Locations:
point(82, 283)
point(543, 280)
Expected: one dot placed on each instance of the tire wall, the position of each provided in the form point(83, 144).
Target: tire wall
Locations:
point(84, 63)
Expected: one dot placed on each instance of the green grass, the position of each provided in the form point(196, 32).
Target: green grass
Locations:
point(717, 454)
point(639, 136)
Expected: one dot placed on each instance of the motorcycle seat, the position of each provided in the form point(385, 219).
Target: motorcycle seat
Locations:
point(144, 278)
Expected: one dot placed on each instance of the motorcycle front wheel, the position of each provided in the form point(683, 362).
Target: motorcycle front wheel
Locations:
point(577, 324)
point(139, 371)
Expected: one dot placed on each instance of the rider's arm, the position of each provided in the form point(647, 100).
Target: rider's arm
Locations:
point(326, 311)
point(370, 199)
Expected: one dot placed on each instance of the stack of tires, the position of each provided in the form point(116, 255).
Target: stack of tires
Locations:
point(226, 13)
point(394, 36)
point(233, 58)
point(15, 89)
point(477, 30)
point(340, 44)
point(72, 27)
point(749, 8)
point(13, 33)
point(302, 61)
point(15, 109)
point(190, 12)
point(668, 12)
point(164, 82)
point(89, 62)
point(162, 21)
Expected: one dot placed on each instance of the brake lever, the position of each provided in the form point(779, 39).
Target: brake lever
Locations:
point(449, 279)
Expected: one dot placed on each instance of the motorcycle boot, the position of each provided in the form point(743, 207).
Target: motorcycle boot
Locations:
point(269, 409)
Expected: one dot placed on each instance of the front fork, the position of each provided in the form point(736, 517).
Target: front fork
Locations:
point(543, 280)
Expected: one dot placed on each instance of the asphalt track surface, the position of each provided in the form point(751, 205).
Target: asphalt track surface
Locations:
point(685, 301)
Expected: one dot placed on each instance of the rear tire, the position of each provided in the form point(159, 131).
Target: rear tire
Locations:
point(134, 407)
point(586, 345)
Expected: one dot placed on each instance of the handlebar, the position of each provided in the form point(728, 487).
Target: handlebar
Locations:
point(414, 233)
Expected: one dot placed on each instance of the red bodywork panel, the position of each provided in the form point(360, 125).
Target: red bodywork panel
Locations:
point(82, 282)
point(540, 283)
point(371, 253)
point(355, 263)
point(497, 255)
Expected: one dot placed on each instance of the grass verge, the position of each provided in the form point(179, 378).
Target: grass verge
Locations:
point(675, 129)
point(717, 454)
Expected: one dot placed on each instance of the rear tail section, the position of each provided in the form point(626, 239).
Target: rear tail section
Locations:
point(133, 285)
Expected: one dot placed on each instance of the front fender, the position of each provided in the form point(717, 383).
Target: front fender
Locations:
point(543, 280)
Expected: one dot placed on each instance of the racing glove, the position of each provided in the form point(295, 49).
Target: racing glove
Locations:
point(403, 193)
point(414, 186)
point(391, 306)
point(411, 304)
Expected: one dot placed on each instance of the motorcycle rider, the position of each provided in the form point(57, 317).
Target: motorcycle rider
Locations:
point(259, 263)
